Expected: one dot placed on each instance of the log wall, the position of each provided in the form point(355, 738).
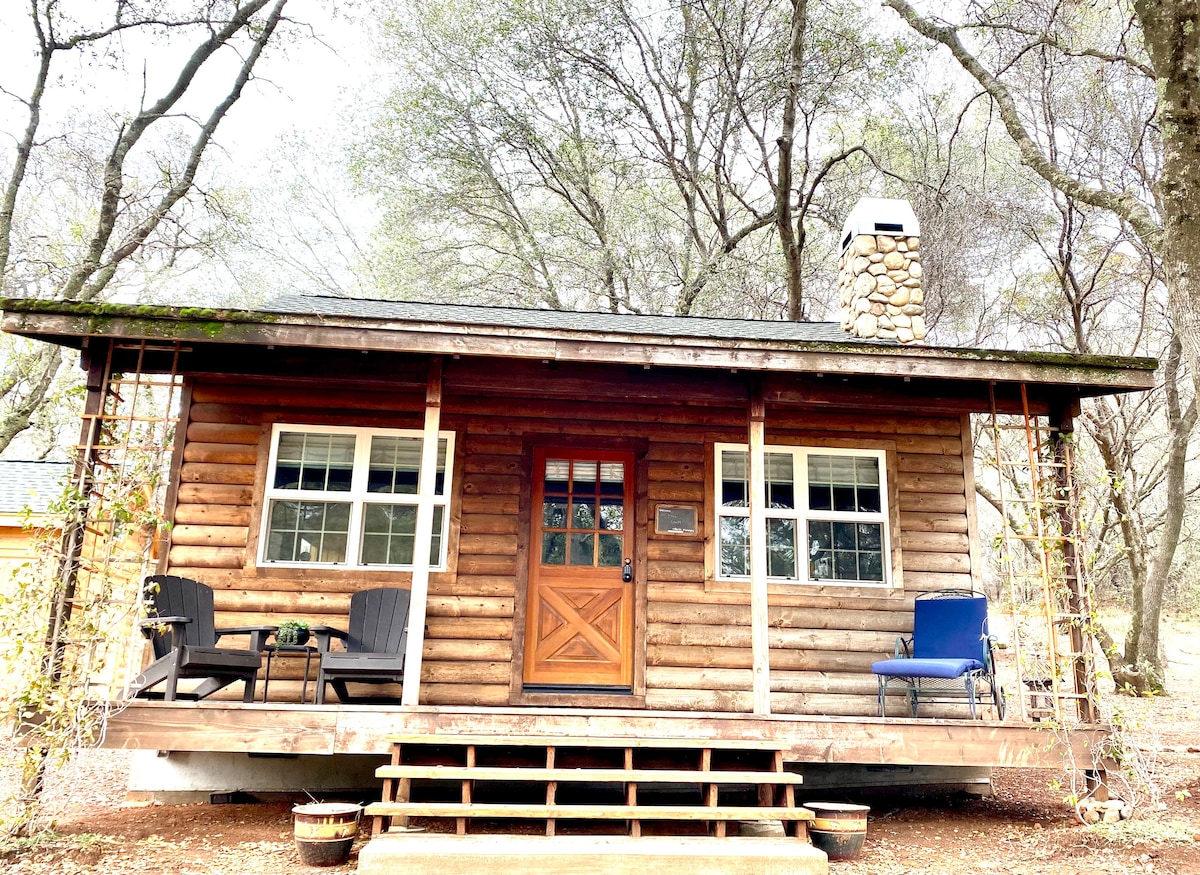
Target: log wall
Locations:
point(697, 630)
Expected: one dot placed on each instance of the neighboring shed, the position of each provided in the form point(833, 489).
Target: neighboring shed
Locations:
point(26, 492)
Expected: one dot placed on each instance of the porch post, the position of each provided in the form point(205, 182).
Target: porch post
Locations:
point(758, 553)
point(426, 486)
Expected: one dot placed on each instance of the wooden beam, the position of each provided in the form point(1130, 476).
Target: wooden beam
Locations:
point(426, 486)
point(761, 671)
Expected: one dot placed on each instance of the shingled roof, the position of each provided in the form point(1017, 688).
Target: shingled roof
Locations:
point(698, 327)
point(30, 484)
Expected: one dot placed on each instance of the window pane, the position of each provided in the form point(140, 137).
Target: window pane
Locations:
point(583, 549)
point(781, 492)
point(554, 548)
point(395, 464)
point(781, 548)
point(435, 546)
point(612, 514)
point(554, 514)
point(843, 536)
point(389, 534)
point(558, 472)
point(820, 556)
point(845, 565)
point(735, 545)
point(583, 478)
point(320, 462)
point(735, 491)
point(870, 566)
point(307, 531)
point(610, 551)
point(845, 551)
point(583, 515)
point(848, 484)
point(612, 478)
point(870, 536)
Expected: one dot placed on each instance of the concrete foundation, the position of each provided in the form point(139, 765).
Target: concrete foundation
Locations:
point(177, 777)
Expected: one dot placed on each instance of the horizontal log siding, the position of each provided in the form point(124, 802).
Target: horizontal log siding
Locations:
point(822, 640)
point(698, 636)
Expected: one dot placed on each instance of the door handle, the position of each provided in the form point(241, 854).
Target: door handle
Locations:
point(627, 571)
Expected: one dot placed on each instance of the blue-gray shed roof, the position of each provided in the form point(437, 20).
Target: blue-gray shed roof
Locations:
point(30, 484)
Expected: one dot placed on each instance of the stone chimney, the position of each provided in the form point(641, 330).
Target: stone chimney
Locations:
point(880, 272)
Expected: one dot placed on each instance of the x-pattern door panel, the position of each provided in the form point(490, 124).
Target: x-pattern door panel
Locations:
point(579, 625)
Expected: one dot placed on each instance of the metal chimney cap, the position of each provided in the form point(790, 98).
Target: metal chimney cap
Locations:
point(880, 215)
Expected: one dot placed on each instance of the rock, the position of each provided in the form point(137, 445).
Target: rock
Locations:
point(876, 256)
point(885, 284)
point(864, 284)
point(915, 269)
point(847, 297)
point(897, 276)
point(914, 243)
point(912, 284)
point(864, 244)
point(1112, 805)
point(894, 260)
point(878, 297)
point(1127, 812)
point(902, 245)
point(1091, 815)
point(914, 256)
point(862, 305)
point(866, 325)
point(1112, 815)
point(915, 294)
point(902, 321)
point(886, 334)
point(913, 310)
point(885, 244)
point(877, 269)
point(877, 309)
point(901, 297)
point(905, 335)
point(885, 323)
point(918, 327)
point(860, 264)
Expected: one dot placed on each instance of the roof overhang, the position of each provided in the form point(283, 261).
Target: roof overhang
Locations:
point(76, 325)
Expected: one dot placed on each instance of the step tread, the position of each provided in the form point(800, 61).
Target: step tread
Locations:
point(585, 812)
point(598, 775)
point(582, 742)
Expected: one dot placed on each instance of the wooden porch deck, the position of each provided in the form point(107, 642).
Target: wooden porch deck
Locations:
point(347, 729)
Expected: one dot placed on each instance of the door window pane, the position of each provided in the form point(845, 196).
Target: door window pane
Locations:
point(583, 549)
point(610, 551)
point(554, 514)
point(612, 478)
point(558, 476)
point(583, 478)
point(583, 515)
point(612, 514)
point(554, 548)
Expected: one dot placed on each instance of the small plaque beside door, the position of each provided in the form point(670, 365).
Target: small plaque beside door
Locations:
point(675, 519)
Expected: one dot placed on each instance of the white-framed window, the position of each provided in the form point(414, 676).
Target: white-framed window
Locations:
point(348, 497)
point(826, 514)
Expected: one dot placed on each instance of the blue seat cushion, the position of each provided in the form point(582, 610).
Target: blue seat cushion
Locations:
point(926, 668)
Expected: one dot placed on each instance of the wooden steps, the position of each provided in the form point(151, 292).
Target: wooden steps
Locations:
point(432, 854)
point(623, 782)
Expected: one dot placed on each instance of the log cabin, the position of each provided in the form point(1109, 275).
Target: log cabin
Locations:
point(616, 529)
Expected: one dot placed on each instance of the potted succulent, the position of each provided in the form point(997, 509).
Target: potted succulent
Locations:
point(291, 632)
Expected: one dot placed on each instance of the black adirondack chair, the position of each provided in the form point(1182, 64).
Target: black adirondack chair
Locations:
point(180, 627)
point(374, 645)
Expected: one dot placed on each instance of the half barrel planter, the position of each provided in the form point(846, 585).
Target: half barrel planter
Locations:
point(838, 828)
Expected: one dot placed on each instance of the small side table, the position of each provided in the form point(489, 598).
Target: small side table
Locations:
point(273, 650)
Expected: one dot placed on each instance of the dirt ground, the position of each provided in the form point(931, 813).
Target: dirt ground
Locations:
point(1025, 827)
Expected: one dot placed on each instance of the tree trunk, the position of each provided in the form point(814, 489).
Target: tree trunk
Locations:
point(783, 186)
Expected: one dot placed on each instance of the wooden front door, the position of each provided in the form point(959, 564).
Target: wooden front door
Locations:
point(579, 619)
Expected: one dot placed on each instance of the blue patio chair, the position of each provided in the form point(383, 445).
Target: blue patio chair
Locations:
point(949, 655)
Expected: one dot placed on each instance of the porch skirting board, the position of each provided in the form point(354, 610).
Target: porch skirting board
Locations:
point(431, 854)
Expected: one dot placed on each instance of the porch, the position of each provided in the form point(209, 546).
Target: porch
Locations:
point(330, 730)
